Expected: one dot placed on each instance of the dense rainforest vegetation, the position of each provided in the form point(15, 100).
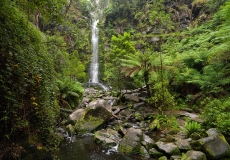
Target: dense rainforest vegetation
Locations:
point(178, 49)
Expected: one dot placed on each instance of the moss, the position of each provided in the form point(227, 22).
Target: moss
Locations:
point(163, 158)
point(197, 145)
point(209, 152)
point(223, 138)
point(154, 124)
point(142, 151)
point(126, 149)
point(184, 157)
point(155, 153)
point(85, 126)
point(70, 129)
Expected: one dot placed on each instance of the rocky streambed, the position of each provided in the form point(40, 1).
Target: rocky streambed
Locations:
point(136, 129)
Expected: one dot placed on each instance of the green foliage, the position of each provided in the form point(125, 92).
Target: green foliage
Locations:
point(169, 122)
point(120, 46)
point(216, 113)
point(57, 49)
point(42, 9)
point(161, 98)
point(215, 5)
point(157, 122)
point(70, 93)
point(163, 121)
point(27, 86)
point(85, 7)
point(138, 66)
point(124, 9)
point(191, 127)
point(202, 55)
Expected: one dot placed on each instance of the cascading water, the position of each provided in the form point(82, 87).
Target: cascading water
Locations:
point(96, 14)
point(94, 61)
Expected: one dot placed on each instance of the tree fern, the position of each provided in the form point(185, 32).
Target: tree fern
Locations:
point(138, 64)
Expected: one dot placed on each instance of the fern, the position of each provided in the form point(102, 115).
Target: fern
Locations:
point(191, 127)
point(71, 92)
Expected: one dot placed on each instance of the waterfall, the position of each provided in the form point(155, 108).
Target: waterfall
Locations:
point(96, 15)
point(94, 60)
point(94, 66)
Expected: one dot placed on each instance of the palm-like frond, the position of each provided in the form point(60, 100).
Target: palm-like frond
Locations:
point(130, 72)
point(136, 64)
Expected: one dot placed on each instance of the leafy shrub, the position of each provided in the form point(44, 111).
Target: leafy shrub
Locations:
point(164, 121)
point(70, 93)
point(216, 114)
point(191, 127)
point(161, 98)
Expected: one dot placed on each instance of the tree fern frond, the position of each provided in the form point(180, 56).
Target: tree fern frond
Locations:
point(224, 81)
point(134, 73)
point(141, 72)
point(130, 62)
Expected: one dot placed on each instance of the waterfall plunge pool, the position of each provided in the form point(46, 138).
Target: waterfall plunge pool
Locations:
point(84, 148)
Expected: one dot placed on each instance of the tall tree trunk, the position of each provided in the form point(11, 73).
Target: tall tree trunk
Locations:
point(36, 14)
point(146, 79)
point(162, 82)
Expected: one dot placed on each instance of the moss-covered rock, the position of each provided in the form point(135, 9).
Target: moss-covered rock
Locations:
point(131, 143)
point(163, 158)
point(144, 152)
point(215, 146)
point(183, 144)
point(147, 142)
point(92, 119)
point(109, 137)
point(76, 115)
point(168, 148)
point(70, 129)
point(194, 155)
point(129, 147)
point(155, 153)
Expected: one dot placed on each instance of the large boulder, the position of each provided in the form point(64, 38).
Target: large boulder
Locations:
point(100, 103)
point(147, 142)
point(92, 119)
point(131, 142)
point(144, 152)
point(139, 105)
point(76, 115)
point(175, 157)
point(131, 97)
point(215, 146)
point(168, 148)
point(155, 153)
point(183, 144)
point(194, 155)
point(108, 137)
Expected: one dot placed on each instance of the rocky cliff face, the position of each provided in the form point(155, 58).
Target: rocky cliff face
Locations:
point(187, 11)
point(183, 13)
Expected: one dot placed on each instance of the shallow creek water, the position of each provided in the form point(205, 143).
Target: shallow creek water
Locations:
point(84, 148)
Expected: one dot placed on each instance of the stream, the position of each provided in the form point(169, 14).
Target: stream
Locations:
point(84, 148)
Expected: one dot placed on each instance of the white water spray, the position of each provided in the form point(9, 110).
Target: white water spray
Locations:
point(96, 15)
point(94, 66)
